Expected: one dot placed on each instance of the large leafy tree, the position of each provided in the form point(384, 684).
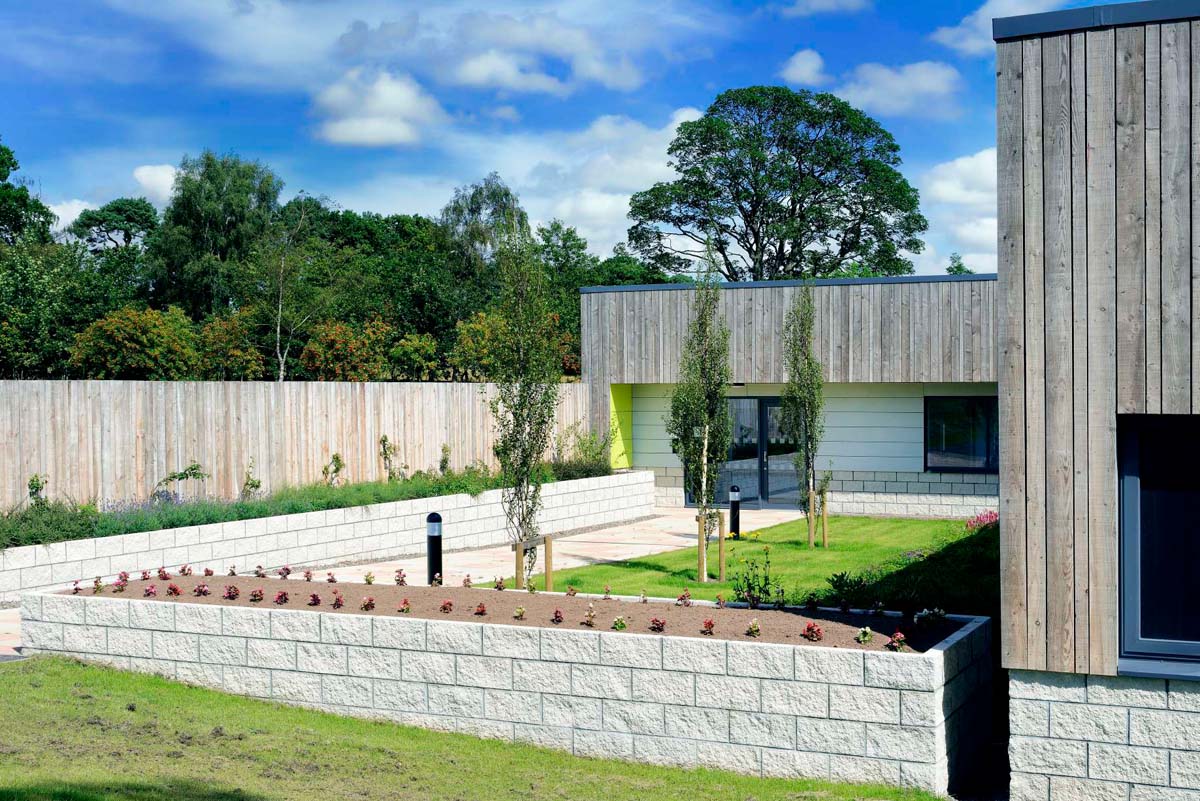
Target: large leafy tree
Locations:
point(138, 344)
point(484, 216)
point(221, 209)
point(699, 424)
point(21, 213)
point(781, 184)
point(118, 223)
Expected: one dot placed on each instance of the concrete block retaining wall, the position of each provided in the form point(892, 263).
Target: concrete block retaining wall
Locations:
point(881, 493)
point(379, 531)
point(756, 708)
point(1095, 738)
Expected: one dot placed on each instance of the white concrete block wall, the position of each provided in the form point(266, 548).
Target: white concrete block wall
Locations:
point(756, 708)
point(1094, 738)
point(379, 531)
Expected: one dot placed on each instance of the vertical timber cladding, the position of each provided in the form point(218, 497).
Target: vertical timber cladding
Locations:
point(1098, 261)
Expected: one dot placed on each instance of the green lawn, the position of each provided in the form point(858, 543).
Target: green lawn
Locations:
point(70, 732)
point(880, 546)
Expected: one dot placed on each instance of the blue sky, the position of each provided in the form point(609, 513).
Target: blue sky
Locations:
point(386, 106)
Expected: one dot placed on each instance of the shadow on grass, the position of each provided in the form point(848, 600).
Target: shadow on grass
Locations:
point(165, 790)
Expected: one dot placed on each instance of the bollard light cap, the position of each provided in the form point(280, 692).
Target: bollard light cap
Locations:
point(735, 493)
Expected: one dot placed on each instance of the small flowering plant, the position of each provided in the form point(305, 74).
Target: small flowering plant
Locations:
point(97, 586)
point(123, 576)
point(519, 613)
point(75, 588)
point(877, 608)
point(447, 606)
point(284, 572)
point(401, 578)
point(185, 570)
point(589, 617)
point(174, 591)
point(720, 601)
point(864, 636)
point(607, 592)
point(658, 624)
point(281, 597)
point(256, 595)
point(368, 578)
point(929, 617)
point(200, 590)
point(330, 578)
point(150, 591)
point(260, 571)
point(982, 519)
point(644, 599)
point(120, 584)
point(684, 599)
point(813, 632)
point(467, 581)
point(405, 607)
point(897, 642)
point(436, 581)
point(338, 600)
point(231, 592)
point(308, 575)
point(208, 572)
point(368, 604)
point(163, 575)
point(753, 629)
point(481, 610)
point(619, 623)
point(314, 599)
point(571, 591)
point(145, 575)
point(498, 584)
point(708, 626)
point(232, 570)
point(557, 617)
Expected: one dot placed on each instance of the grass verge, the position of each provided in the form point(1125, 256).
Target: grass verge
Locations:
point(74, 732)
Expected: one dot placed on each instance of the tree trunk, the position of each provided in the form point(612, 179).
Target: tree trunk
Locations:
point(812, 519)
point(702, 543)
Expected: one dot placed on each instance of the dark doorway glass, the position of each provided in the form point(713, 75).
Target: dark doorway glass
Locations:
point(961, 435)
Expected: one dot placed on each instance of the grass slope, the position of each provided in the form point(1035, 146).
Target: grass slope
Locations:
point(71, 732)
point(857, 544)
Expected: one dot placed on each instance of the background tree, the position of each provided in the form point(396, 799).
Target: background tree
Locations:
point(803, 402)
point(781, 184)
point(21, 214)
point(339, 351)
point(956, 266)
point(138, 344)
point(699, 424)
point(120, 223)
point(482, 217)
point(414, 357)
point(526, 369)
point(228, 351)
point(221, 209)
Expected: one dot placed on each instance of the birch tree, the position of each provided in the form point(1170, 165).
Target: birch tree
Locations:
point(803, 404)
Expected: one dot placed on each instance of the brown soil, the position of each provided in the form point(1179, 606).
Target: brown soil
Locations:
point(776, 626)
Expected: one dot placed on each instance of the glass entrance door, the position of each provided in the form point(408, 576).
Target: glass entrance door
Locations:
point(745, 456)
point(760, 458)
point(781, 482)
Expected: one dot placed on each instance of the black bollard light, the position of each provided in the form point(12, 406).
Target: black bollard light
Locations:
point(433, 548)
point(735, 511)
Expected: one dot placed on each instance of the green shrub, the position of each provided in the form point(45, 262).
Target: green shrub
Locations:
point(56, 521)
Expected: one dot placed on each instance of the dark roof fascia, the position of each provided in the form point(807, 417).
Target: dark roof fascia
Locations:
point(897, 279)
point(1092, 17)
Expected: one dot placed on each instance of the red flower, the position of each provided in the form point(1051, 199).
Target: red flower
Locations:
point(708, 626)
point(314, 600)
point(256, 595)
point(658, 624)
point(447, 606)
point(231, 592)
point(481, 610)
point(281, 597)
point(173, 590)
point(557, 617)
point(813, 632)
point(200, 590)
point(368, 604)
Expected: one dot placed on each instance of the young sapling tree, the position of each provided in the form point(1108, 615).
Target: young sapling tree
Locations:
point(803, 407)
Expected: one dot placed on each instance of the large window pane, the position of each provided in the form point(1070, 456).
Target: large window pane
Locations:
point(961, 435)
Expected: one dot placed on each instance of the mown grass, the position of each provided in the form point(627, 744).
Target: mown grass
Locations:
point(73, 732)
point(938, 562)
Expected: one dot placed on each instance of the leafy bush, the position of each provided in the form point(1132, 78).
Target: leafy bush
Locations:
point(58, 521)
point(138, 344)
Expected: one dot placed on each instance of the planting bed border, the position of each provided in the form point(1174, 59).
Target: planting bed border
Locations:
point(357, 533)
point(905, 719)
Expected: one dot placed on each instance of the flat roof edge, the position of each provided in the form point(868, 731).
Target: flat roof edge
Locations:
point(1105, 16)
point(895, 279)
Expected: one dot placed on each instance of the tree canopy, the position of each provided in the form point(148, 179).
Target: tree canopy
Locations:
point(781, 184)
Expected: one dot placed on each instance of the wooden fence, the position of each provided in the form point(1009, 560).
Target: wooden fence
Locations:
point(115, 440)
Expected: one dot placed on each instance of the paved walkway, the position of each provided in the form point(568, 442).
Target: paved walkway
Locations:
point(668, 530)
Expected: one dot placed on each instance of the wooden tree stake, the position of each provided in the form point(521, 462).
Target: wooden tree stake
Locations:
point(824, 520)
point(519, 550)
point(701, 565)
point(549, 551)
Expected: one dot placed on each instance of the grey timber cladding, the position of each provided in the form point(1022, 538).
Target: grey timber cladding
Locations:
point(1098, 266)
point(874, 331)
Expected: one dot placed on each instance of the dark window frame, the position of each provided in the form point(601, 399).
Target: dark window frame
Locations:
point(992, 465)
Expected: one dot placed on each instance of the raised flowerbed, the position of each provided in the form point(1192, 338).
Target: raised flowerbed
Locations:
point(358, 533)
point(775, 704)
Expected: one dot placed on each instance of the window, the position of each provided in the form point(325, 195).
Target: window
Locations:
point(1160, 547)
point(961, 435)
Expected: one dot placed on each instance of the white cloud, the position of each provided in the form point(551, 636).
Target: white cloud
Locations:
point(496, 69)
point(67, 211)
point(807, 8)
point(805, 68)
point(156, 182)
point(78, 57)
point(377, 109)
point(959, 198)
point(926, 89)
point(973, 35)
point(506, 113)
